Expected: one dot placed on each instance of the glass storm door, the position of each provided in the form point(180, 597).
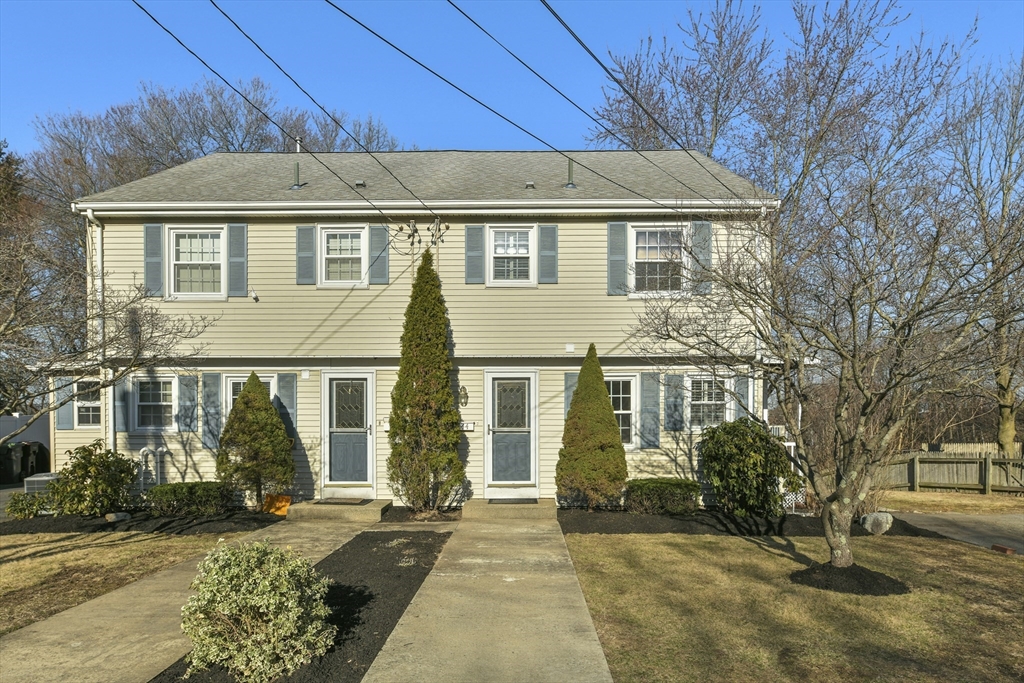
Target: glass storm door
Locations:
point(349, 430)
point(511, 438)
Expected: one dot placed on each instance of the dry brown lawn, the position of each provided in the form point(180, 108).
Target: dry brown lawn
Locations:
point(42, 574)
point(671, 607)
point(968, 503)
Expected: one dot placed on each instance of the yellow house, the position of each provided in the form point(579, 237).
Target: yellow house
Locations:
point(306, 262)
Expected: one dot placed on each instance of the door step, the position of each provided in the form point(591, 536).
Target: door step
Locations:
point(362, 511)
point(478, 509)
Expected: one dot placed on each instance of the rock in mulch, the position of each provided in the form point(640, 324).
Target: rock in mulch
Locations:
point(853, 579)
point(877, 523)
point(229, 522)
point(375, 576)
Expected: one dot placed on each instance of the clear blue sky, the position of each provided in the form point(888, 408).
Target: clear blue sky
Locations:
point(87, 55)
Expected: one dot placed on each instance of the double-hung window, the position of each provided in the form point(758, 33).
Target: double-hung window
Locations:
point(512, 255)
point(625, 405)
point(87, 403)
point(657, 257)
point(197, 266)
point(154, 404)
point(344, 250)
point(235, 384)
point(707, 402)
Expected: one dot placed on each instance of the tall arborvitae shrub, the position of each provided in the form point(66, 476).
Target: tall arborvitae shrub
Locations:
point(424, 467)
point(592, 462)
point(255, 450)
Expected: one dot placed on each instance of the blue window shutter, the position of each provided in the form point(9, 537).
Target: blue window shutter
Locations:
point(547, 269)
point(475, 255)
point(213, 419)
point(702, 241)
point(571, 378)
point(122, 404)
point(379, 273)
point(238, 252)
point(740, 405)
point(188, 403)
point(617, 259)
point(153, 252)
point(675, 402)
point(305, 255)
point(286, 403)
point(62, 390)
point(650, 410)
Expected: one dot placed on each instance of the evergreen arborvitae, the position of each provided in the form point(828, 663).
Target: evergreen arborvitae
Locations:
point(255, 450)
point(592, 461)
point(424, 467)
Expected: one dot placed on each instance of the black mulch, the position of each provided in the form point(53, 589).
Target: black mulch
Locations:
point(710, 522)
point(397, 514)
point(853, 579)
point(229, 522)
point(375, 576)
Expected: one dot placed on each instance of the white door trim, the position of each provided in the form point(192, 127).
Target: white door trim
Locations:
point(529, 489)
point(347, 490)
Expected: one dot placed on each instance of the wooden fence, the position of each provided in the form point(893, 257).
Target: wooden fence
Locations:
point(958, 469)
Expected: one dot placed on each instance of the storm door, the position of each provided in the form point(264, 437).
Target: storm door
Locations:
point(349, 431)
point(511, 431)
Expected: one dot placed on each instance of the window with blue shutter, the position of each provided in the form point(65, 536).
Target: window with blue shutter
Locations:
point(702, 245)
point(650, 410)
point(122, 404)
point(475, 274)
point(238, 276)
point(62, 390)
point(188, 403)
point(379, 239)
point(547, 268)
point(617, 259)
point(153, 254)
point(741, 406)
point(675, 403)
point(571, 378)
point(305, 255)
point(287, 401)
point(213, 420)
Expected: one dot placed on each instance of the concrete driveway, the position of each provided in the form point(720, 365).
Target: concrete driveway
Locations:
point(983, 530)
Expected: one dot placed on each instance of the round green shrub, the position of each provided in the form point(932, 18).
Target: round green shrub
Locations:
point(258, 610)
point(26, 505)
point(190, 498)
point(662, 496)
point(746, 467)
point(94, 481)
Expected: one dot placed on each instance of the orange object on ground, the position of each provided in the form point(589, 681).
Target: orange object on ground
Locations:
point(276, 504)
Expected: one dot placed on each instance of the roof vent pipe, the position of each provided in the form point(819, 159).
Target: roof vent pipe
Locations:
point(570, 185)
point(298, 145)
point(296, 185)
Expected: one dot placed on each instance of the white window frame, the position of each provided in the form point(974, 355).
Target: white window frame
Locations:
point(229, 401)
point(173, 426)
point(684, 228)
point(727, 388)
point(172, 292)
point(80, 402)
point(489, 255)
point(325, 229)
point(634, 402)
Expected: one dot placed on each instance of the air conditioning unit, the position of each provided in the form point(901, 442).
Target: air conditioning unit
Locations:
point(37, 482)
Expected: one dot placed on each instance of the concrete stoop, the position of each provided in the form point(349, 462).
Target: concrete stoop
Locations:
point(479, 509)
point(362, 511)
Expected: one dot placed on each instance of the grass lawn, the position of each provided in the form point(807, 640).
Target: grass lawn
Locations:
point(967, 503)
point(672, 607)
point(42, 574)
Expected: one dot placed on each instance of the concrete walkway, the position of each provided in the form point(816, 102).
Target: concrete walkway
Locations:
point(983, 530)
point(133, 633)
point(502, 604)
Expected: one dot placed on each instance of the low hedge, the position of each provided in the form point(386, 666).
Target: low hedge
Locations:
point(661, 496)
point(191, 498)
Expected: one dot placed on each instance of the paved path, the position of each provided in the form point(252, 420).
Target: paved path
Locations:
point(133, 633)
point(983, 530)
point(502, 604)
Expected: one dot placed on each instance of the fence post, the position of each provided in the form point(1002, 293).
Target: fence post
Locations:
point(915, 472)
point(988, 474)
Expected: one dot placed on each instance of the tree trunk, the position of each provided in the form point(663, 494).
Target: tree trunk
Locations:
point(836, 519)
point(1007, 433)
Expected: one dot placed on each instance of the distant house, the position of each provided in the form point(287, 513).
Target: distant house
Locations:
point(310, 281)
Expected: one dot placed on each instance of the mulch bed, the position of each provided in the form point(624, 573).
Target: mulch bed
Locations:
point(853, 579)
point(375, 576)
point(229, 522)
point(711, 522)
point(397, 514)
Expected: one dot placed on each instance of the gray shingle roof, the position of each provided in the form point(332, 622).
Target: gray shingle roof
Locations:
point(439, 176)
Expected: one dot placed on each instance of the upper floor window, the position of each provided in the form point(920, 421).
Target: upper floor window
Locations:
point(197, 262)
point(344, 252)
point(657, 258)
point(87, 403)
point(154, 404)
point(512, 255)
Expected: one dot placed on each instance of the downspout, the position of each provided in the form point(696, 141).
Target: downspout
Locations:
point(101, 322)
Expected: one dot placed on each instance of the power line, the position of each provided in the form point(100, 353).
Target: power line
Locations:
point(323, 109)
point(502, 116)
point(267, 116)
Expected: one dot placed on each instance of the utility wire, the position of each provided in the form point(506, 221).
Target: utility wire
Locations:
point(276, 124)
point(323, 109)
point(491, 109)
point(573, 103)
point(633, 97)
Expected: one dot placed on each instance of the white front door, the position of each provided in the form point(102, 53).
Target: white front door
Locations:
point(511, 447)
